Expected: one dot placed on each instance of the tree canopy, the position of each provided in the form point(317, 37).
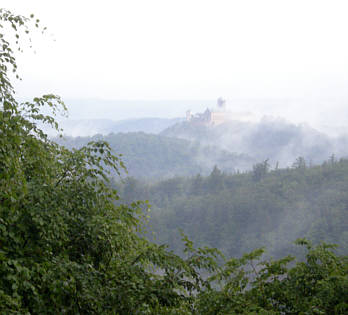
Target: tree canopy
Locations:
point(67, 246)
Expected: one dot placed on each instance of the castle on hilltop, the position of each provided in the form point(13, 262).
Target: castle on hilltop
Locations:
point(216, 116)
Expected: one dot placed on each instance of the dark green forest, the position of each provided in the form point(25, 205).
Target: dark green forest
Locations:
point(241, 212)
point(71, 244)
point(150, 156)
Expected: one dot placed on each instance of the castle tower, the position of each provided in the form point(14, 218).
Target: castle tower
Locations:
point(221, 104)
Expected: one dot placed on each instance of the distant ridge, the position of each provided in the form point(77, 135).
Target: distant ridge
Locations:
point(275, 139)
point(155, 156)
point(90, 127)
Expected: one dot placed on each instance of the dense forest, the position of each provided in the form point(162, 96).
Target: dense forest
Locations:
point(150, 156)
point(70, 245)
point(241, 212)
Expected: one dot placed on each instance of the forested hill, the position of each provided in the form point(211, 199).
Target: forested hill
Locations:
point(241, 212)
point(155, 156)
point(69, 245)
point(274, 139)
point(189, 149)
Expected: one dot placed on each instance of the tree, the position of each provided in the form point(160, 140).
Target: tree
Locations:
point(215, 180)
point(260, 170)
point(317, 285)
point(65, 246)
point(300, 163)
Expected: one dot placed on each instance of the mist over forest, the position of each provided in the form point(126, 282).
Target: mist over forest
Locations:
point(238, 213)
point(162, 148)
point(236, 186)
point(144, 203)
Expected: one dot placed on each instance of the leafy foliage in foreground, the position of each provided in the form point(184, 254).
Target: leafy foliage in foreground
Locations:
point(316, 286)
point(67, 248)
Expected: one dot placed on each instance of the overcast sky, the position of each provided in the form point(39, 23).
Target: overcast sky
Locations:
point(160, 49)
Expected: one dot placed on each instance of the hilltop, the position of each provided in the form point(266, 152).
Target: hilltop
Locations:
point(275, 139)
point(156, 156)
point(91, 127)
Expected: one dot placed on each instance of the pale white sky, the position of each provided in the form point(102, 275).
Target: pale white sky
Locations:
point(291, 57)
point(160, 49)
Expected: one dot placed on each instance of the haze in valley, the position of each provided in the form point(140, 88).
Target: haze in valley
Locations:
point(131, 59)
